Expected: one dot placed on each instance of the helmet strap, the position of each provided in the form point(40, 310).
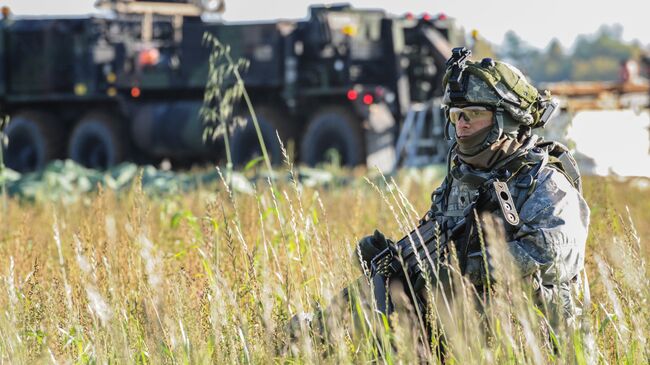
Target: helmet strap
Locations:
point(498, 118)
point(447, 125)
point(497, 128)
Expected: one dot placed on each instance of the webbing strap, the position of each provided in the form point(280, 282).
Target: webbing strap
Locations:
point(527, 181)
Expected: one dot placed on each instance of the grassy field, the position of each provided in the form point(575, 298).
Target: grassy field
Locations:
point(213, 277)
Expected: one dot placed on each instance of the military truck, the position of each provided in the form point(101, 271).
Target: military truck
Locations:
point(129, 86)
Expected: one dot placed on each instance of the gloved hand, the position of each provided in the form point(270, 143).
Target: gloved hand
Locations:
point(370, 246)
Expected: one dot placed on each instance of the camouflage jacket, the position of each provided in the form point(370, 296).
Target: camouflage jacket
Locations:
point(548, 245)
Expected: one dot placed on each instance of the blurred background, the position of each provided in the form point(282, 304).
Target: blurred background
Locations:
point(106, 82)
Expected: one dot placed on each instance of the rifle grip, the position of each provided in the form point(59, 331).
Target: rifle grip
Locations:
point(381, 295)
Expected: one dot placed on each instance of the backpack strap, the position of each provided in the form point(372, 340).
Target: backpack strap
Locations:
point(561, 159)
point(527, 180)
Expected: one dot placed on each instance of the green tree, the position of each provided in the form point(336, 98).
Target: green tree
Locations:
point(595, 57)
point(606, 43)
point(598, 57)
point(516, 51)
point(556, 65)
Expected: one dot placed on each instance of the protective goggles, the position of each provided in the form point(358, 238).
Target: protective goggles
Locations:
point(469, 113)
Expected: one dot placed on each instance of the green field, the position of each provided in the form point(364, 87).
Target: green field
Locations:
point(212, 276)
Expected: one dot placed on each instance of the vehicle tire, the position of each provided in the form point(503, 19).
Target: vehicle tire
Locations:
point(34, 140)
point(98, 141)
point(244, 143)
point(333, 129)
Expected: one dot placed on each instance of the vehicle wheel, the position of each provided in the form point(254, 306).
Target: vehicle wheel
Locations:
point(98, 141)
point(244, 144)
point(34, 140)
point(333, 135)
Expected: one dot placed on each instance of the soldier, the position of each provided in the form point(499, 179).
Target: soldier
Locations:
point(493, 110)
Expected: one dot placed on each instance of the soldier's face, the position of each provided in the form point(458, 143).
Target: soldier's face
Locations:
point(467, 127)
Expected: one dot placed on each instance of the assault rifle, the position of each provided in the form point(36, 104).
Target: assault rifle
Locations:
point(426, 246)
point(423, 247)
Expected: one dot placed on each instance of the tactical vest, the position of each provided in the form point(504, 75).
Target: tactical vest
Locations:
point(520, 171)
point(523, 168)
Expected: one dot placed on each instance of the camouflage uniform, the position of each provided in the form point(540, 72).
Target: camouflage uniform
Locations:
point(549, 243)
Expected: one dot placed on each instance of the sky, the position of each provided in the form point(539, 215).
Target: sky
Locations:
point(536, 22)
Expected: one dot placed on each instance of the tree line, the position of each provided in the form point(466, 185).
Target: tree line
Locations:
point(594, 57)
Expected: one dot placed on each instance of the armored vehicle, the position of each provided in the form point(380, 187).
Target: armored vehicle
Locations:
point(129, 85)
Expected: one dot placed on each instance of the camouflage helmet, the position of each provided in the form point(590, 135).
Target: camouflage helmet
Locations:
point(496, 84)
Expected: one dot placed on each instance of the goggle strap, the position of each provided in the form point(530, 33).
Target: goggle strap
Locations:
point(447, 123)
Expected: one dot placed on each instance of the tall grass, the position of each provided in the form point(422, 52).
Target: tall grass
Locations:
point(223, 90)
point(215, 276)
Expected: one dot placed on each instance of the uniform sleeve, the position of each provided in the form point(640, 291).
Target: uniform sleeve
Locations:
point(553, 233)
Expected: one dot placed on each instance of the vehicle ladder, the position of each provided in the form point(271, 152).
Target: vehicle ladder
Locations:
point(421, 140)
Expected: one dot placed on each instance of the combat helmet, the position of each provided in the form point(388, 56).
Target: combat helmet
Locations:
point(518, 106)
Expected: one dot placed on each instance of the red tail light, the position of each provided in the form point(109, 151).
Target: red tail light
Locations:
point(426, 17)
point(135, 92)
point(352, 95)
point(368, 99)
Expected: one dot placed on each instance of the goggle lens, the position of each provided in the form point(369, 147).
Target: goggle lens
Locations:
point(470, 114)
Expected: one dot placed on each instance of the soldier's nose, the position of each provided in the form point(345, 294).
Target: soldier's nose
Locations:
point(462, 123)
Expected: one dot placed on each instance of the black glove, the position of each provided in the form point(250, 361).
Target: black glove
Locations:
point(371, 246)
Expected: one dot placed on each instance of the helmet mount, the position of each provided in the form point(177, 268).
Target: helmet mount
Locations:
point(457, 79)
